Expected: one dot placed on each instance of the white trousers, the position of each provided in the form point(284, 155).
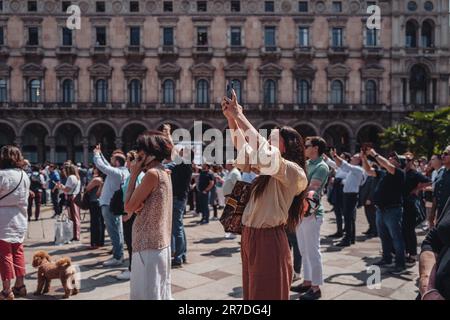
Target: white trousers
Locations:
point(308, 238)
point(220, 196)
point(150, 275)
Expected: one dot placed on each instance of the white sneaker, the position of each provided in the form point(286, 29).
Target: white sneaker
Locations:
point(125, 275)
point(230, 236)
point(112, 262)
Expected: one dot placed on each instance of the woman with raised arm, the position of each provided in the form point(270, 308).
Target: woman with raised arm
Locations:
point(276, 203)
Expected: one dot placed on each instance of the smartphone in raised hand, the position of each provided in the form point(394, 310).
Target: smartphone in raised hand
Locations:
point(230, 87)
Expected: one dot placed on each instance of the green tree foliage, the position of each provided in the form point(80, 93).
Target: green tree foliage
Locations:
point(423, 133)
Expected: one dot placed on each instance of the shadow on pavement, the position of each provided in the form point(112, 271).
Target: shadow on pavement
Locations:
point(223, 252)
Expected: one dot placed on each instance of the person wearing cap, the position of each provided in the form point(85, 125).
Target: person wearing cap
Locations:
point(442, 185)
point(388, 199)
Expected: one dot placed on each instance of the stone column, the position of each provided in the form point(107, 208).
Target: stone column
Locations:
point(85, 143)
point(119, 143)
point(352, 142)
point(52, 144)
point(18, 142)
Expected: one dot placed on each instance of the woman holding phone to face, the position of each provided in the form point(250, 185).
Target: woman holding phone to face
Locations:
point(151, 201)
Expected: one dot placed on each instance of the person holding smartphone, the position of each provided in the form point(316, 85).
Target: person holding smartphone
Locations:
point(116, 174)
point(151, 201)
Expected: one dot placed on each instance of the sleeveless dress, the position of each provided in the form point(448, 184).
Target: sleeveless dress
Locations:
point(152, 231)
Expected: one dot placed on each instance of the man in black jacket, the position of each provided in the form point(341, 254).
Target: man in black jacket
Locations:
point(434, 261)
point(366, 193)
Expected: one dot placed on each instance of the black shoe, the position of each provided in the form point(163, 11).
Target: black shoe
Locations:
point(204, 222)
point(176, 264)
point(352, 241)
point(185, 260)
point(367, 232)
point(337, 235)
point(344, 243)
point(311, 295)
point(383, 263)
point(300, 288)
point(398, 270)
point(410, 261)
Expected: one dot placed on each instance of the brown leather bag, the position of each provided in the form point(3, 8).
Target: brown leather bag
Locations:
point(236, 202)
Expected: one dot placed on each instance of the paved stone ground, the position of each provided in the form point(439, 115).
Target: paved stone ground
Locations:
point(214, 268)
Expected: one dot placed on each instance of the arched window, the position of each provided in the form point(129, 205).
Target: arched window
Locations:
point(134, 91)
point(270, 89)
point(411, 34)
point(101, 91)
point(427, 34)
point(202, 92)
point(418, 85)
point(67, 87)
point(371, 92)
point(34, 90)
point(303, 91)
point(3, 90)
point(238, 89)
point(168, 92)
point(337, 92)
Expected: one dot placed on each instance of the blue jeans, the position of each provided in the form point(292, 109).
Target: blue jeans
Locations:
point(115, 230)
point(178, 234)
point(389, 225)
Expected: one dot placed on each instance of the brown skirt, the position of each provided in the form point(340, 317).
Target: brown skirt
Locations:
point(266, 264)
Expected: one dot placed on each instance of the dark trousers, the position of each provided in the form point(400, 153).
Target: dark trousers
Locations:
point(37, 199)
point(292, 239)
point(409, 226)
point(371, 215)
point(97, 225)
point(338, 204)
point(202, 204)
point(55, 202)
point(350, 202)
point(127, 236)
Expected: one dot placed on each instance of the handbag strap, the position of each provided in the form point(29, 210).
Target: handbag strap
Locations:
point(12, 191)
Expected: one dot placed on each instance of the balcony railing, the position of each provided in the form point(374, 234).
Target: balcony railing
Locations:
point(303, 52)
point(134, 51)
point(168, 51)
point(202, 51)
point(280, 107)
point(236, 52)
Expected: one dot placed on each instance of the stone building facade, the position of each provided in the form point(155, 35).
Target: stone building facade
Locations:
point(133, 65)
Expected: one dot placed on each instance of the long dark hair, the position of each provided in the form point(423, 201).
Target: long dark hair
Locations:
point(295, 152)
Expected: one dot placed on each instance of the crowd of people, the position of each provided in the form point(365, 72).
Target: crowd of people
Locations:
point(140, 198)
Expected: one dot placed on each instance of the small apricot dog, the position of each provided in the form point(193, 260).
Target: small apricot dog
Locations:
point(48, 270)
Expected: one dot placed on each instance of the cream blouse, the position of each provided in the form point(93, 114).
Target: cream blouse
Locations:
point(271, 209)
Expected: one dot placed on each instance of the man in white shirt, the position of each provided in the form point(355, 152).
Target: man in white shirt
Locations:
point(352, 182)
point(233, 175)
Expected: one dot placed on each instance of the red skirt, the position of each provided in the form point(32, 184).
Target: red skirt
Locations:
point(266, 264)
